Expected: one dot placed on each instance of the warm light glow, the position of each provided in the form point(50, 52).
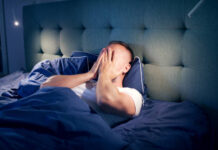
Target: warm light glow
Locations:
point(16, 23)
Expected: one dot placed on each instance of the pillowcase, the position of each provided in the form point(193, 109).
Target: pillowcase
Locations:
point(91, 57)
point(133, 79)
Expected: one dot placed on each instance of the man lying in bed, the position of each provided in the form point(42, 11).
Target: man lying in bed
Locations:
point(108, 92)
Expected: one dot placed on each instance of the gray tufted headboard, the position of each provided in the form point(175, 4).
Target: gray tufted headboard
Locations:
point(179, 53)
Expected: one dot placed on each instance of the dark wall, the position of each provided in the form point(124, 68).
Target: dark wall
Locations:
point(14, 34)
point(0, 57)
point(3, 60)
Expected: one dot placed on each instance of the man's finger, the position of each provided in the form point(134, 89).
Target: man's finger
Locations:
point(101, 53)
point(99, 62)
point(112, 58)
point(109, 54)
point(106, 55)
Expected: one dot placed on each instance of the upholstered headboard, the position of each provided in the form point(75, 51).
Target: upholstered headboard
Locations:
point(179, 53)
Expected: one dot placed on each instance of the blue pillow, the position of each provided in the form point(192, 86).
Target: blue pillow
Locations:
point(91, 57)
point(133, 79)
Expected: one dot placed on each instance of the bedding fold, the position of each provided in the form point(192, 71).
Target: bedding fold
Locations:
point(54, 118)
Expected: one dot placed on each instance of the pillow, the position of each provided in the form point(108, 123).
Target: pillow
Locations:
point(91, 57)
point(133, 79)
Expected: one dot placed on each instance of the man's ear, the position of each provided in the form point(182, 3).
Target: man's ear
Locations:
point(126, 68)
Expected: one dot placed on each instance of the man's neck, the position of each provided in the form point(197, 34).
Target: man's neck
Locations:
point(118, 81)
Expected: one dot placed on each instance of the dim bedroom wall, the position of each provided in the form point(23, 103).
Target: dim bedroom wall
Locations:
point(3, 60)
point(14, 34)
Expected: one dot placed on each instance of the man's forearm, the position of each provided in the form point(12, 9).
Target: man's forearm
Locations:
point(111, 100)
point(106, 91)
point(69, 81)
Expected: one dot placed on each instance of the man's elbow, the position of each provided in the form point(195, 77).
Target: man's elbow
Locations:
point(103, 101)
point(106, 105)
point(50, 82)
point(130, 112)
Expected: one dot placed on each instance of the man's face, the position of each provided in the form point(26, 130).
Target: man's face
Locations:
point(121, 56)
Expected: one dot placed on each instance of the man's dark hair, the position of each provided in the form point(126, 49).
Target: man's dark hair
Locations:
point(125, 45)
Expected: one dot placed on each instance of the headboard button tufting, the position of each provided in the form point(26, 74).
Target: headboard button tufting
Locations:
point(60, 53)
point(110, 27)
point(40, 28)
point(144, 61)
point(83, 27)
point(59, 28)
point(40, 51)
point(144, 28)
point(183, 27)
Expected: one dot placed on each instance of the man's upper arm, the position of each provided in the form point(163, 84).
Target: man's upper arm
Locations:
point(135, 100)
point(127, 102)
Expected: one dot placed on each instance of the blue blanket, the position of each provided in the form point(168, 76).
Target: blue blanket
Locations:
point(164, 125)
point(55, 118)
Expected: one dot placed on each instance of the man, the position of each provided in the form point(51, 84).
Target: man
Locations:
point(108, 93)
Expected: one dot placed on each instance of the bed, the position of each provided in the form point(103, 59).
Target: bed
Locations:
point(63, 37)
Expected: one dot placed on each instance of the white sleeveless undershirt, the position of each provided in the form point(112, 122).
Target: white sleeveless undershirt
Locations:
point(87, 92)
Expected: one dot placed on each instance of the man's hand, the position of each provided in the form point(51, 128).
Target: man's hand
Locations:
point(94, 70)
point(107, 67)
point(108, 96)
point(71, 81)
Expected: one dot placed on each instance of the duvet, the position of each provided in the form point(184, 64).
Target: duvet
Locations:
point(55, 118)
